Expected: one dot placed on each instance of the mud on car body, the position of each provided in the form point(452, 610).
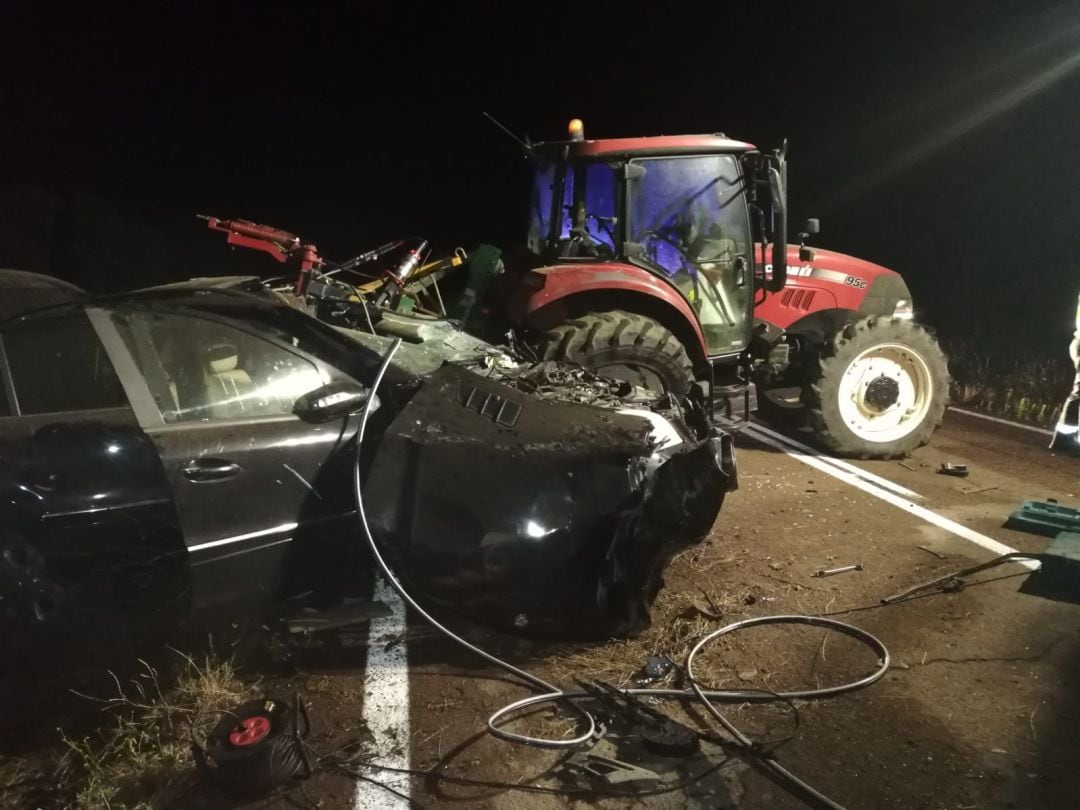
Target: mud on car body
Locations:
point(188, 452)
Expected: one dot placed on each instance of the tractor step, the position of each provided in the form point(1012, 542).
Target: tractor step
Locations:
point(732, 404)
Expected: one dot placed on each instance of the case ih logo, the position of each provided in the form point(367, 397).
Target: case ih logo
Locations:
point(793, 270)
point(835, 276)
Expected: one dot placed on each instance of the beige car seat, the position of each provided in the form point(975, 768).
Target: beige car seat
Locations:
point(227, 386)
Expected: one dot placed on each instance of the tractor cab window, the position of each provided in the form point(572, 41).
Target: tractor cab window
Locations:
point(688, 215)
point(589, 203)
point(582, 199)
point(540, 205)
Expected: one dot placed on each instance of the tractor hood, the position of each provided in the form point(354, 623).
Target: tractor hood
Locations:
point(832, 285)
point(829, 265)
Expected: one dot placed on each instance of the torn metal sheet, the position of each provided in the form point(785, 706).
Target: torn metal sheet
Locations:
point(560, 524)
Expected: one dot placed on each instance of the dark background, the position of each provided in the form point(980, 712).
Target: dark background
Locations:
point(937, 139)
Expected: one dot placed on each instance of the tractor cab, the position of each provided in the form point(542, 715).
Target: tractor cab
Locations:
point(682, 210)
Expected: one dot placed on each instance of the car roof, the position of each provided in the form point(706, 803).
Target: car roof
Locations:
point(202, 294)
point(22, 291)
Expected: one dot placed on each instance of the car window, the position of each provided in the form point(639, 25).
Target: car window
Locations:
point(199, 369)
point(58, 364)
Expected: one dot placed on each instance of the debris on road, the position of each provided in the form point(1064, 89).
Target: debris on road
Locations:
point(610, 772)
point(954, 581)
point(843, 569)
point(958, 470)
point(931, 551)
point(350, 612)
point(657, 667)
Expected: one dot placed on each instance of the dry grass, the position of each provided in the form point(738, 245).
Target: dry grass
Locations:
point(1031, 389)
point(680, 618)
point(142, 758)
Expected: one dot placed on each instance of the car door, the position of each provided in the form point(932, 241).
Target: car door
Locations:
point(87, 528)
point(264, 499)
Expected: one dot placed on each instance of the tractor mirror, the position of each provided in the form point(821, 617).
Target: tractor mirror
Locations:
point(812, 226)
point(779, 247)
point(776, 186)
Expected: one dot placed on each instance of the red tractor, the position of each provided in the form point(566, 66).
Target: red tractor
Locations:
point(650, 259)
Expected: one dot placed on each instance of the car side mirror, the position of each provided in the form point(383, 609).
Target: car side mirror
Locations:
point(332, 401)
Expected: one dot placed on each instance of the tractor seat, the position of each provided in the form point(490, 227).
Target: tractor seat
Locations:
point(227, 385)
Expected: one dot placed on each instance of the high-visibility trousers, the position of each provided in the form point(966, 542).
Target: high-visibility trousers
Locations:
point(1067, 432)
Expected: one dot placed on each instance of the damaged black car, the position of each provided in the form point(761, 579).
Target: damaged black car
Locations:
point(188, 451)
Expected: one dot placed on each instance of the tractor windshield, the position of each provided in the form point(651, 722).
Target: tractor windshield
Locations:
point(688, 219)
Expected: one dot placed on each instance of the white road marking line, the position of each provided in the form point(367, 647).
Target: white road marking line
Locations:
point(843, 465)
point(989, 543)
point(386, 703)
point(1001, 421)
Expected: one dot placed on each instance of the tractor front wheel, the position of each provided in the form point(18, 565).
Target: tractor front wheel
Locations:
point(879, 389)
point(623, 345)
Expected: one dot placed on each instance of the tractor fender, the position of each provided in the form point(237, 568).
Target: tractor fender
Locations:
point(573, 289)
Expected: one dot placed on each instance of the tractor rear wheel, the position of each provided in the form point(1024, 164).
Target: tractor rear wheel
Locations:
point(879, 389)
point(623, 345)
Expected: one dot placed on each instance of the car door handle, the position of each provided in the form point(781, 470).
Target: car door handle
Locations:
point(210, 469)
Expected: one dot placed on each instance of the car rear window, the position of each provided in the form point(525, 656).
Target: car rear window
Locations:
point(58, 364)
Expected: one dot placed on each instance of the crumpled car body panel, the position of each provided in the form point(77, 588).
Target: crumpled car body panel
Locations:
point(559, 525)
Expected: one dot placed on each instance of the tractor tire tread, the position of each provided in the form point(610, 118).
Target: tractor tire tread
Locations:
point(617, 334)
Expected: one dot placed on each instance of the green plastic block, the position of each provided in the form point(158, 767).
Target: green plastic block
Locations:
point(1061, 561)
point(1044, 517)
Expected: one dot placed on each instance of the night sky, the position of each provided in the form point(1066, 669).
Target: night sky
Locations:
point(939, 139)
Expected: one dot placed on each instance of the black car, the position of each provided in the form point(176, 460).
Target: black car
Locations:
point(185, 450)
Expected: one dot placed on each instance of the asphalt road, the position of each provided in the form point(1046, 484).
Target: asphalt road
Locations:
point(978, 710)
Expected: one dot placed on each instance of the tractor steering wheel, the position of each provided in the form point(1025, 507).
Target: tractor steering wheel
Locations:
point(581, 243)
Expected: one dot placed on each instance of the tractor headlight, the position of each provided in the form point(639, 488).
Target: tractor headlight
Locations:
point(903, 310)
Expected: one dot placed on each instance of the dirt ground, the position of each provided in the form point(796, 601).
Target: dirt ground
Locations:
point(978, 709)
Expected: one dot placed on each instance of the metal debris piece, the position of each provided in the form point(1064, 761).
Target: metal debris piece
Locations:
point(655, 668)
point(843, 569)
point(670, 739)
point(314, 621)
point(613, 772)
point(931, 551)
point(958, 470)
point(953, 582)
point(565, 382)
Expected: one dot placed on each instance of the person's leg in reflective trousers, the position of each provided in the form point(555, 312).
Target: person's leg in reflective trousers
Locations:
point(1066, 433)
